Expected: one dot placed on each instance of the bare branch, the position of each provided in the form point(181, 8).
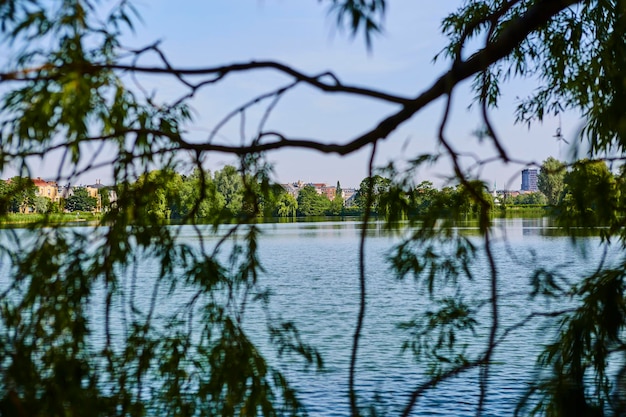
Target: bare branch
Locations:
point(362, 288)
point(515, 32)
point(536, 17)
point(495, 321)
point(434, 381)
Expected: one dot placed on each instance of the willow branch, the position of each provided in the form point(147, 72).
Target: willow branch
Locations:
point(434, 381)
point(362, 288)
point(495, 322)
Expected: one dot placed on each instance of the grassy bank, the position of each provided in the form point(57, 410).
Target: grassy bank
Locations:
point(522, 210)
point(13, 219)
point(31, 218)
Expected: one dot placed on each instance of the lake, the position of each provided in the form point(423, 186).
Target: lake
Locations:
point(314, 281)
point(312, 275)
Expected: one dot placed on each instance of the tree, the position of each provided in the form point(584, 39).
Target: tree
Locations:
point(19, 193)
point(378, 186)
point(54, 207)
point(105, 197)
point(230, 185)
point(424, 196)
point(591, 196)
point(80, 200)
point(199, 196)
point(157, 195)
point(287, 205)
point(550, 180)
point(310, 203)
point(530, 199)
point(336, 205)
point(71, 87)
point(41, 204)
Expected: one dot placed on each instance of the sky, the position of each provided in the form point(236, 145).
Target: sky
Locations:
point(200, 33)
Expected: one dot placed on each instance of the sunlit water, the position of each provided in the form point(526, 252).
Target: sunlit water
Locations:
point(312, 274)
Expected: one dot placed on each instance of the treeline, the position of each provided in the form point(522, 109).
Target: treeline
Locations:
point(228, 194)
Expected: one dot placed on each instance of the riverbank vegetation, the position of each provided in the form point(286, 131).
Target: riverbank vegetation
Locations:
point(229, 194)
point(54, 218)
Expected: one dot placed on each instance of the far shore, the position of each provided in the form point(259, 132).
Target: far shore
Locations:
point(24, 219)
point(20, 219)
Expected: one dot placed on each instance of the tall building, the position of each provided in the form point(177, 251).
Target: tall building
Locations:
point(529, 180)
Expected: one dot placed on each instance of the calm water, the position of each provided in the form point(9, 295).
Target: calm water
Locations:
point(311, 271)
point(313, 278)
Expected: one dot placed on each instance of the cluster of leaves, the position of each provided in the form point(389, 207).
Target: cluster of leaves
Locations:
point(528, 199)
point(17, 195)
point(584, 195)
point(80, 200)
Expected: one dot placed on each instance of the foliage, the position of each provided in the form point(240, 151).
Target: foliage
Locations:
point(158, 194)
point(591, 196)
point(105, 197)
point(535, 199)
point(423, 196)
point(379, 186)
point(40, 204)
point(336, 204)
point(199, 197)
point(550, 180)
point(196, 197)
point(286, 206)
point(17, 195)
point(310, 203)
point(70, 86)
point(80, 200)
point(229, 184)
point(54, 207)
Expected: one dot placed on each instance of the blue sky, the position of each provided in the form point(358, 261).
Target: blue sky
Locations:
point(300, 33)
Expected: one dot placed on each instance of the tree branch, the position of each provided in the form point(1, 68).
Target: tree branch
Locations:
point(515, 32)
point(511, 36)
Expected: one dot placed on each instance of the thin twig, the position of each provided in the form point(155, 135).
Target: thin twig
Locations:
point(362, 288)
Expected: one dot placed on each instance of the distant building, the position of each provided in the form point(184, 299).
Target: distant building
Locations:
point(529, 180)
point(65, 191)
point(48, 189)
point(349, 197)
point(319, 187)
point(293, 189)
point(330, 191)
point(98, 185)
point(347, 193)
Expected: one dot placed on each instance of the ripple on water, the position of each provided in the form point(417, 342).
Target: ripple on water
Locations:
point(314, 283)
